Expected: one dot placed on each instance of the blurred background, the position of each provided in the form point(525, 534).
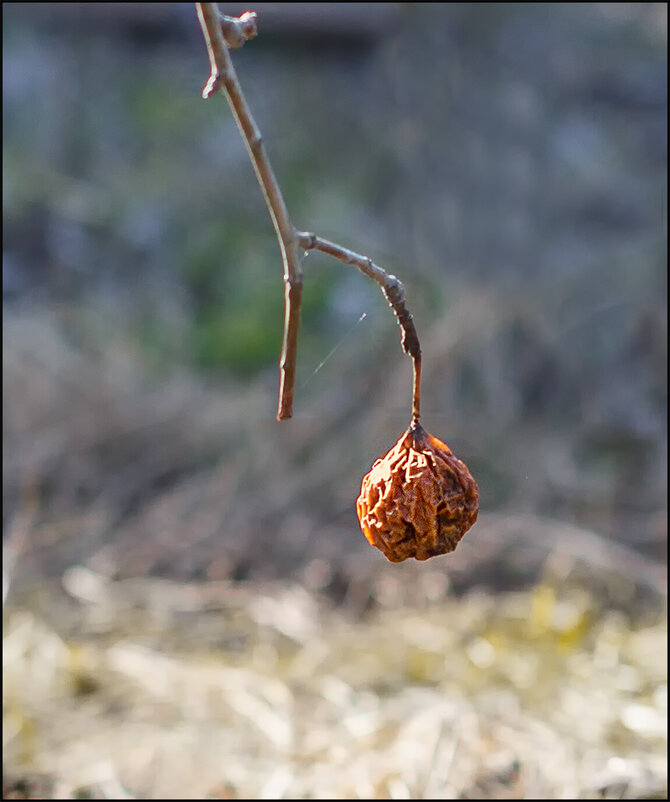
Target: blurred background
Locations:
point(185, 576)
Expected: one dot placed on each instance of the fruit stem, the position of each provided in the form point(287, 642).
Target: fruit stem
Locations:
point(416, 389)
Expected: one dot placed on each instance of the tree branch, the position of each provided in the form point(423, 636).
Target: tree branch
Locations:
point(221, 32)
point(394, 292)
point(223, 78)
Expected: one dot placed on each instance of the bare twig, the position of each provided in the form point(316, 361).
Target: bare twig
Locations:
point(221, 32)
point(223, 78)
point(394, 292)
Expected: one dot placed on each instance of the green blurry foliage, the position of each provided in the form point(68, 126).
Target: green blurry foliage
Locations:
point(233, 278)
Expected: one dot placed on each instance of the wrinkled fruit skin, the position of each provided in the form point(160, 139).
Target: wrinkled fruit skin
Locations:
point(418, 500)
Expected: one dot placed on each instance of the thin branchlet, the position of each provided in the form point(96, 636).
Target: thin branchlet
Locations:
point(394, 292)
point(224, 78)
point(221, 33)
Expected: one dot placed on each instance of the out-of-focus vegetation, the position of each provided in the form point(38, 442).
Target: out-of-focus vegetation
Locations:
point(509, 163)
point(223, 691)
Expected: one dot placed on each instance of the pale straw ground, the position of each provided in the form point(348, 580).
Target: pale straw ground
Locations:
point(154, 689)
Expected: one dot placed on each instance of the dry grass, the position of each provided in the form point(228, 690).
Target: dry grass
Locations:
point(153, 689)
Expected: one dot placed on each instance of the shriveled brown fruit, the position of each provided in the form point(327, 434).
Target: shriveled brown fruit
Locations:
point(418, 500)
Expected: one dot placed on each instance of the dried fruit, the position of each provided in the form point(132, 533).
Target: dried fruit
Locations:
point(418, 500)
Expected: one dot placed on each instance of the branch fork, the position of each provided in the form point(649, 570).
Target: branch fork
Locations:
point(222, 33)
